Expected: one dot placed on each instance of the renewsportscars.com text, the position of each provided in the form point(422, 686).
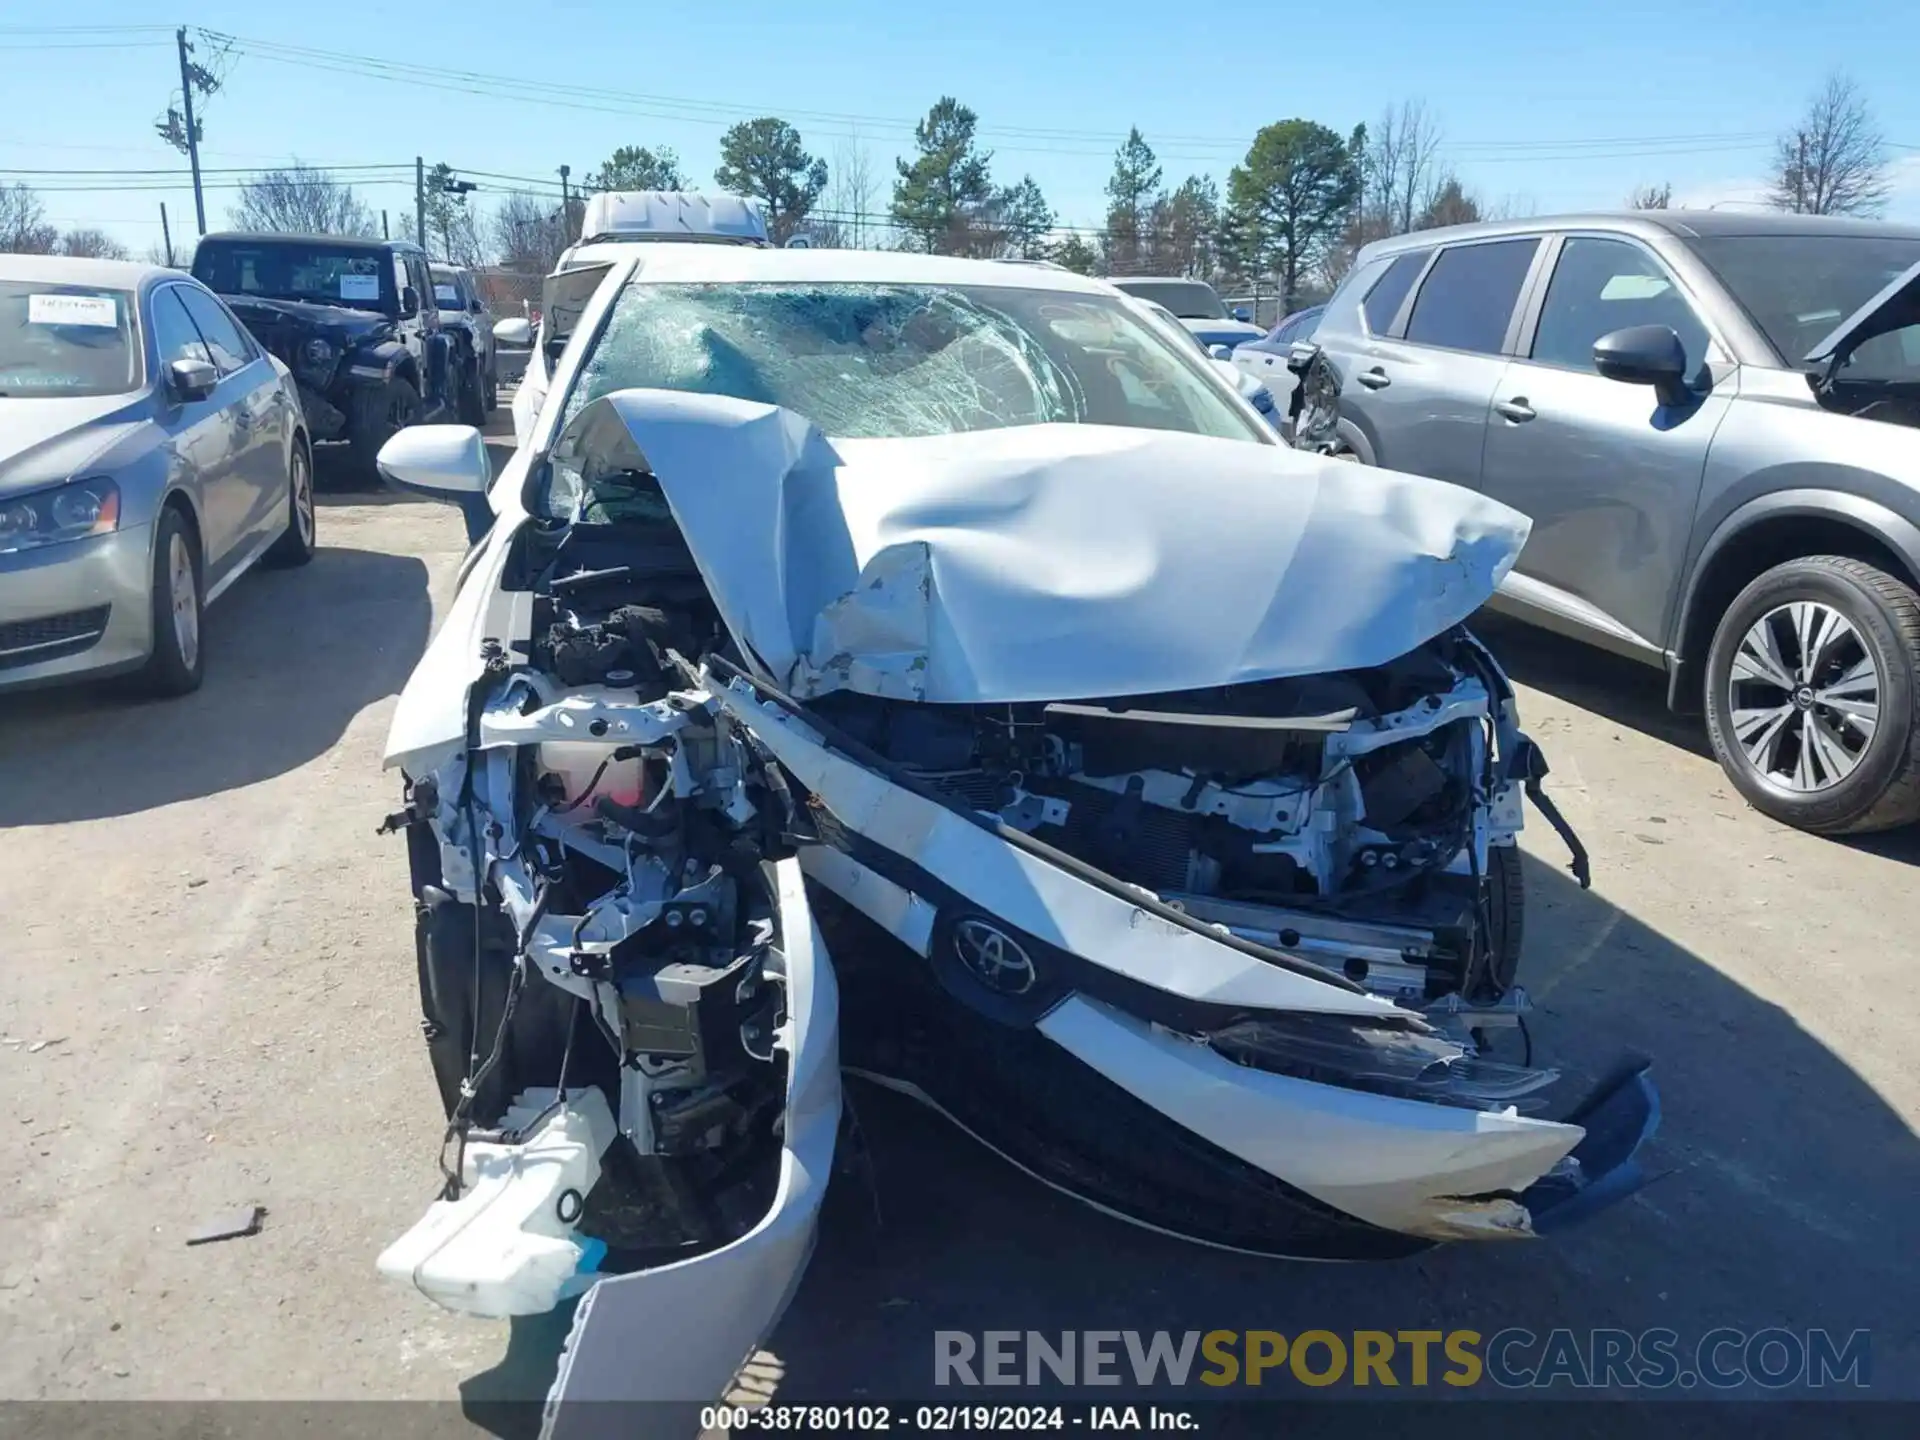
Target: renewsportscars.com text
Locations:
point(1655, 1359)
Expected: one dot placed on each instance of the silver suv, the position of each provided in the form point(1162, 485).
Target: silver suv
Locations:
point(1710, 418)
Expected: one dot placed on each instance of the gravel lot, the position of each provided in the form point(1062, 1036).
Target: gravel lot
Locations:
point(208, 1001)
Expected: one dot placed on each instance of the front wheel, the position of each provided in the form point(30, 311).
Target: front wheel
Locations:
point(178, 661)
point(1810, 696)
point(378, 415)
point(491, 390)
point(472, 400)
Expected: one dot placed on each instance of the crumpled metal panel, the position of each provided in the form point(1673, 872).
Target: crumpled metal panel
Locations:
point(1063, 561)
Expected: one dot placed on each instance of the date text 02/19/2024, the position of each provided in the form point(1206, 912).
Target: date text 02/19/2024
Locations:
point(943, 1419)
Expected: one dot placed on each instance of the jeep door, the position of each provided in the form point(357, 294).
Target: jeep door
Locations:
point(250, 391)
point(1610, 476)
point(1419, 391)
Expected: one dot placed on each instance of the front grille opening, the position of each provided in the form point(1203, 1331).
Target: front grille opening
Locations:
point(51, 637)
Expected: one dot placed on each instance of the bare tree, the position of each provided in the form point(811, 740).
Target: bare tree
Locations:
point(156, 254)
point(23, 223)
point(1400, 166)
point(92, 245)
point(850, 220)
point(528, 232)
point(1834, 162)
point(1652, 197)
point(302, 200)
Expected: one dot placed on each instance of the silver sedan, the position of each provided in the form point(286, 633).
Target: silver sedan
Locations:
point(150, 454)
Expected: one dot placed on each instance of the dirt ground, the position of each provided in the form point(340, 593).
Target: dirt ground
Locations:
point(208, 1001)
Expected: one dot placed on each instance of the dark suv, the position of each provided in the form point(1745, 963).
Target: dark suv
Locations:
point(1709, 417)
point(356, 323)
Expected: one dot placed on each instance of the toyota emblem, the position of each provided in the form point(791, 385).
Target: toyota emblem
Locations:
point(993, 957)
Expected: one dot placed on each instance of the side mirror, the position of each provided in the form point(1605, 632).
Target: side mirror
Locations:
point(1243, 314)
point(189, 380)
point(446, 462)
point(1230, 372)
point(1645, 355)
point(409, 301)
point(476, 305)
point(513, 331)
point(1220, 352)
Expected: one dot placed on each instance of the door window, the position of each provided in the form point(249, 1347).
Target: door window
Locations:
point(1469, 295)
point(225, 343)
point(174, 335)
point(1600, 286)
point(421, 281)
point(1383, 300)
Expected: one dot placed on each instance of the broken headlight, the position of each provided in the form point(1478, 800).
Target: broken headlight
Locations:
point(1385, 1060)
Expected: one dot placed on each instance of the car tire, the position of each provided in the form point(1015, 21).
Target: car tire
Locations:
point(1507, 920)
point(472, 401)
point(296, 547)
point(1818, 729)
point(490, 400)
point(377, 416)
point(178, 599)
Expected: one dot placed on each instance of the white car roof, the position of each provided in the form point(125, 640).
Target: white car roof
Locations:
point(66, 270)
point(664, 214)
point(744, 264)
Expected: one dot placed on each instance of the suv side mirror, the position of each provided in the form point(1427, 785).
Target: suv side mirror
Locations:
point(1243, 314)
point(445, 462)
point(476, 305)
point(189, 380)
point(1645, 355)
point(513, 331)
point(409, 302)
point(1220, 352)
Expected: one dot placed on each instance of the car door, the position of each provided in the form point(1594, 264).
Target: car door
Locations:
point(250, 391)
point(422, 332)
point(1610, 476)
point(1421, 391)
point(203, 435)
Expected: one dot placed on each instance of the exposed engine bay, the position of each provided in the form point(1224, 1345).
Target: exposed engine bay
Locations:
point(1229, 961)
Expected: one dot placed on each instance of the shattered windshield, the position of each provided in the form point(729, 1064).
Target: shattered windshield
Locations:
point(1189, 299)
point(292, 270)
point(867, 361)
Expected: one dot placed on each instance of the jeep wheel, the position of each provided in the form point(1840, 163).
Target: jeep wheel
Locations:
point(377, 416)
point(471, 403)
point(1811, 695)
point(491, 399)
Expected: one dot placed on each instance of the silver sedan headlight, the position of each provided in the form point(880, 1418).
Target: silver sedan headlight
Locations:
point(318, 353)
point(71, 512)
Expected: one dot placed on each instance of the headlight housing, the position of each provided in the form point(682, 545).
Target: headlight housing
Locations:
point(70, 512)
point(318, 353)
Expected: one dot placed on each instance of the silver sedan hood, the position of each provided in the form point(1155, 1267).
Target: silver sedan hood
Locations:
point(46, 441)
point(1047, 562)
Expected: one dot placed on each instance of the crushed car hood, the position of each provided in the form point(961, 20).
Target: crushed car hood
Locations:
point(1895, 307)
point(1049, 562)
point(344, 319)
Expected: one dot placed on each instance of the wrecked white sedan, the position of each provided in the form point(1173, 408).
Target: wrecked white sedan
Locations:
point(927, 670)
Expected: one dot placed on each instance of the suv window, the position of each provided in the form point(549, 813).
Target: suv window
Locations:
point(1383, 300)
point(174, 336)
point(1600, 286)
point(224, 340)
point(1469, 295)
point(421, 281)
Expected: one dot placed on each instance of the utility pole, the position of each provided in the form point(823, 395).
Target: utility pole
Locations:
point(193, 139)
point(420, 201)
point(385, 233)
point(166, 235)
point(566, 207)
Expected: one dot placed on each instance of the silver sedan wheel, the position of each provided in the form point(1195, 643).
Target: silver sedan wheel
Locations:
point(185, 594)
point(1804, 694)
point(303, 496)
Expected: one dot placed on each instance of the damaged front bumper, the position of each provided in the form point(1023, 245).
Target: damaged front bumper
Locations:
point(1221, 960)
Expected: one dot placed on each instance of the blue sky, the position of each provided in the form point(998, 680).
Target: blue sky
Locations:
point(1548, 108)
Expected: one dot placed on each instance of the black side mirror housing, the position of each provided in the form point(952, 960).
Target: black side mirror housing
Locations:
point(476, 306)
point(1645, 355)
point(409, 302)
point(189, 380)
